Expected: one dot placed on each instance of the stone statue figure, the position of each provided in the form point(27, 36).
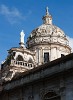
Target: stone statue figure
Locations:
point(22, 37)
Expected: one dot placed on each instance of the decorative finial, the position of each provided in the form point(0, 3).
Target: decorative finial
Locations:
point(47, 12)
point(22, 38)
point(47, 19)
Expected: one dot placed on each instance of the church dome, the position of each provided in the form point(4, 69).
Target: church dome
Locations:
point(47, 33)
point(48, 41)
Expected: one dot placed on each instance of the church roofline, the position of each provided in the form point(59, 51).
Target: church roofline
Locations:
point(45, 66)
point(21, 50)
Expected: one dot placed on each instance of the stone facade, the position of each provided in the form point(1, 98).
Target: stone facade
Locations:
point(51, 81)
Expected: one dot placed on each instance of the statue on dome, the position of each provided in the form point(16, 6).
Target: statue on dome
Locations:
point(22, 36)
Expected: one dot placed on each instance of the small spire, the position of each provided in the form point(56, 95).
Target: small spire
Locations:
point(47, 12)
point(22, 34)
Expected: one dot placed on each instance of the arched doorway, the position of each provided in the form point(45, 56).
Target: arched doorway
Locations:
point(51, 96)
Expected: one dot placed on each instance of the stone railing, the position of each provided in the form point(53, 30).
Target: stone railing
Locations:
point(22, 64)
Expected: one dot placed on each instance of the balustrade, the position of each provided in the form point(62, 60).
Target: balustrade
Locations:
point(21, 63)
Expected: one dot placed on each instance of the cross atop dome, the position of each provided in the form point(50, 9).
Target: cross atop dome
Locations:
point(47, 12)
point(47, 19)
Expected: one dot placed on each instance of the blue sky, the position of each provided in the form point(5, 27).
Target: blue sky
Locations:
point(16, 15)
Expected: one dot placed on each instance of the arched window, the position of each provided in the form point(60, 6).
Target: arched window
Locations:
point(51, 96)
point(30, 60)
point(19, 58)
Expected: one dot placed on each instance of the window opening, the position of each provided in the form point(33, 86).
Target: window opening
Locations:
point(46, 57)
point(19, 58)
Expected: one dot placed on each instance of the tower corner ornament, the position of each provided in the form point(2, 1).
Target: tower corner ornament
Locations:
point(22, 35)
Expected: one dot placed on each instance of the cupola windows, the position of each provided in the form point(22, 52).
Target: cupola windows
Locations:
point(46, 57)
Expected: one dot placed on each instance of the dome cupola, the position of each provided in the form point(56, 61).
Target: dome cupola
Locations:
point(48, 40)
point(47, 19)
